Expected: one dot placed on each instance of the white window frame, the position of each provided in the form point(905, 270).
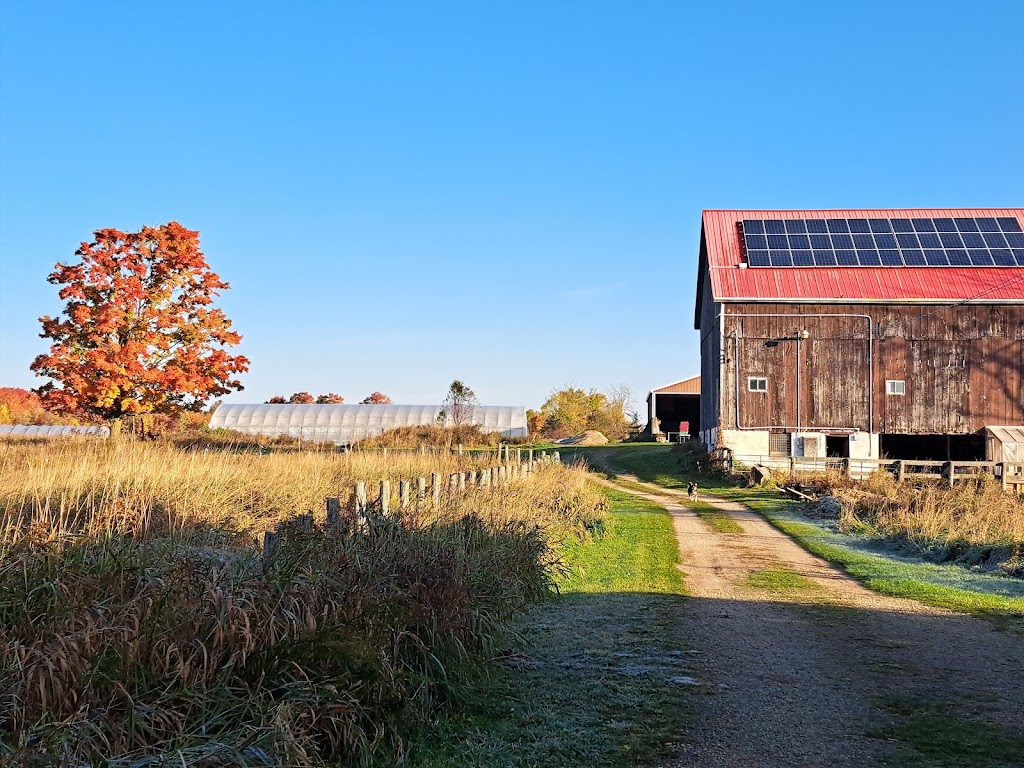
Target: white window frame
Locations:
point(757, 383)
point(895, 387)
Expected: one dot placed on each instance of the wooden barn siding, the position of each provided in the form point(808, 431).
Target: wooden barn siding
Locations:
point(710, 356)
point(962, 367)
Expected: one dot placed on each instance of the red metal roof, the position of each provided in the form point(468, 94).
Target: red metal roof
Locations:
point(721, 259)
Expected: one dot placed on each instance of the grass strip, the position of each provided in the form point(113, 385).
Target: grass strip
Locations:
point(781, 580)
point(714, 517)
point(595, 678)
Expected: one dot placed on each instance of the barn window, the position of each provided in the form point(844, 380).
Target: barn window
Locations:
point(757, 384)
point(895, 387)
point(778, 444)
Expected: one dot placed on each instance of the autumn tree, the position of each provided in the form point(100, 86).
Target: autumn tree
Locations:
point(330, 398)
point(138, 333)
point(21, 406)
point(458, 405)
point(376, 398)
point(571, 411)
point(276, 400)
point(301, 398)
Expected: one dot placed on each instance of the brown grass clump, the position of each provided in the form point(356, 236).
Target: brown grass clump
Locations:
point(139, 622)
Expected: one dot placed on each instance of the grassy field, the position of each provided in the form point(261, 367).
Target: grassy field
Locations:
point(596, 678)
point(862, 555)
point(139, 622)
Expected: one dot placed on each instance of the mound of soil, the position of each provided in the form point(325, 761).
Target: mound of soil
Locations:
point(590, 437)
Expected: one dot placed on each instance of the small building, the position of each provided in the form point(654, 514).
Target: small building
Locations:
point(860, 333)
point(346, 424)
point(676, 407)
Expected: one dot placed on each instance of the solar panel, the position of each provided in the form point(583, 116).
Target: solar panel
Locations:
point(982, 241)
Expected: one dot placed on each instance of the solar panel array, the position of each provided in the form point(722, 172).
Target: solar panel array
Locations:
point(930, 242)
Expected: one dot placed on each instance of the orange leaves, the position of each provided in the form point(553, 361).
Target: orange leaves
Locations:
point(137, 334)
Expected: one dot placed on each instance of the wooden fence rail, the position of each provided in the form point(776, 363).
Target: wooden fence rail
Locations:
point(362, 513)
point(1010, 474)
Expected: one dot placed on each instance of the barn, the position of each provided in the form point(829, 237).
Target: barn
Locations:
point(861, 333)
point(346, 424)
point(676, 407)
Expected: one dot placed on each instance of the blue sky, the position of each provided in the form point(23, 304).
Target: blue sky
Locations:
point(506, 193)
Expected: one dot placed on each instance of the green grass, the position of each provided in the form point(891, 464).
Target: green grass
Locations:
point(595, 677)
point(932, 737)
point(781, 580)
point(943, 586)
point(714, 517)
point(638, 554)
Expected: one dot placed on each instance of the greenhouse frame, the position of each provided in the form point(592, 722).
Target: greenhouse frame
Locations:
point(346, 424)
point(53, 430)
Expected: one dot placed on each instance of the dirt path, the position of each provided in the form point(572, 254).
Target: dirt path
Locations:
point(811, 673)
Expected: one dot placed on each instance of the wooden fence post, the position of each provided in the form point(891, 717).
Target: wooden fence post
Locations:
point(361, 501)
point(333, 511)
point(464, 478)
point(901, 470)
point(1002, 476)
point(952, 473)
point(435, 489)
point(460, 450)
point(531, 455)
point(385, 497)
point(271, 543)
point(403, 494)
point(453, 483)
point(421, 489)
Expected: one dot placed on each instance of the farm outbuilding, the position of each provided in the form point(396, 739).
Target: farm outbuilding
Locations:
point(345, 424)
point(858, 333)
point(676, 406)
point(52, 430)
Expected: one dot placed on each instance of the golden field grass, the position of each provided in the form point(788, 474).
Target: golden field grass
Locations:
point(139, 624)
point(974, 515)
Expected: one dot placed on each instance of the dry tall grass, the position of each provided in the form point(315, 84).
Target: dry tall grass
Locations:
point(140, 626)
point(972, 514)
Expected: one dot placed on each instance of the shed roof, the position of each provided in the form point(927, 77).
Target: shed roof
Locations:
point(1006, 434)
point(722, 262)
point(690, 386)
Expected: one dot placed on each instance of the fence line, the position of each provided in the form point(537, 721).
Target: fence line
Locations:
point(363, 512)
point(1010, 474)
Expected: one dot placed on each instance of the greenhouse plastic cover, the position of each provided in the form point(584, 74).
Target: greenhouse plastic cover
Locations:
point(56, 430)
point(344, 424)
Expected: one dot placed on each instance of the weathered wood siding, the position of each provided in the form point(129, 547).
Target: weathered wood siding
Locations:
point(962, 367)
point(710, 357)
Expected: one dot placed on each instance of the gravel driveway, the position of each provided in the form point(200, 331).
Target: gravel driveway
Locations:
point(804, 675)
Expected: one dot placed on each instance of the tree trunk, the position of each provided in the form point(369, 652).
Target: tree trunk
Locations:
point(115, 429)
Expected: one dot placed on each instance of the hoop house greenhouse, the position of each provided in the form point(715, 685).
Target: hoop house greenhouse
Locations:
point(56, 430)
point(345, 424)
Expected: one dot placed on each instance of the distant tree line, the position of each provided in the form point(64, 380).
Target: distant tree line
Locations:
point(331, 398)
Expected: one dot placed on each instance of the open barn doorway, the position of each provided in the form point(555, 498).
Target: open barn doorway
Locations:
point(837, 446)
point(933, 447)
point(676, 408)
